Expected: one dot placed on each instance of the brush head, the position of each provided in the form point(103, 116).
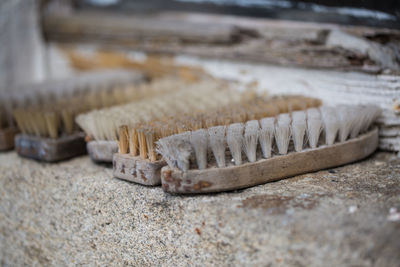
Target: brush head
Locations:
point(169, 98)
point(48, 109)
point(221, 112)
point(293, 132)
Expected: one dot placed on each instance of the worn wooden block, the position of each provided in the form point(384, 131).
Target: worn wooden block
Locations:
point(138, 170)
point(102, 151)
point(7, 138)
point(50, 150)
point(268, 170)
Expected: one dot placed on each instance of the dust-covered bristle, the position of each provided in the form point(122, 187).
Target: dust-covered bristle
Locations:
point(293, 132)
point(49, 109)
point(179, 98)
point(250, 107)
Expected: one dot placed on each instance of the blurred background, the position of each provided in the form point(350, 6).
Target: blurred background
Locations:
point(29, 27)
point(327, 49)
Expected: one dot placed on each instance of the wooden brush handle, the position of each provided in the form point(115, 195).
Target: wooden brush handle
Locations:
point(268, 170)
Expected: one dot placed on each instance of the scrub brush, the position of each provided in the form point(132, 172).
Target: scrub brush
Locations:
point(240, 155)
point(138, 160)
point(45, 116)
point(101, 126)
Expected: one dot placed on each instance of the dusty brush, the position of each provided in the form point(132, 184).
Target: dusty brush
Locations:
point(102, 125)
point(241, 155)
point(138, 160)
point(46, 118)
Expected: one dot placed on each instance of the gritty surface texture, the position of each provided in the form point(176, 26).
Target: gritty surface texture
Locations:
point(74, 213)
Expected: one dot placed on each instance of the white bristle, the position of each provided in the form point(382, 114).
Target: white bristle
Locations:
point(266, 135)
point(165, 148)
point(251, 140)
point(199, 141)
point(314, 126)
point(234, 138)
point(218, 144)
point(183, 151)
point(176, 150)
point(346, 117)
point(371, 113)
point(282, 133)
point(298, 129)
point(358, 116)
point(331, 124)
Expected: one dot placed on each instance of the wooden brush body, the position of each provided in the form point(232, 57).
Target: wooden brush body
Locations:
point(215, 179)
point(50, 149)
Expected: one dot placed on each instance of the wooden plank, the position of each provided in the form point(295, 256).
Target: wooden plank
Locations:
point(257, 40)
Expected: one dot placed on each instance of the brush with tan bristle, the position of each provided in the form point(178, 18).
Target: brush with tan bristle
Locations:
point(102, 126)
point(138, 159)
point(46, 116)
point(240, 155)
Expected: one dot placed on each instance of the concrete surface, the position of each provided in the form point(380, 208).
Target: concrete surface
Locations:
point(74, 213)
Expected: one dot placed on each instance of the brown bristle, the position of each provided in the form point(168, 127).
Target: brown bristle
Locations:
point(142, 143)
point(133, 142)
point(68, 120)
point(123, 139)
point(312, 102)
point(297, 104)
point(52, 121)
point(143, 136)
point(150, 143)
point(51, 114)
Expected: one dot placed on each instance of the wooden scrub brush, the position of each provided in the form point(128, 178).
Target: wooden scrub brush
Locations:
point(138, 160)
point(235, 156)
point(46, 116)
point(171, 97)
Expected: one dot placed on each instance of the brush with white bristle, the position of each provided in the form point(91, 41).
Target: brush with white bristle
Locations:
point(235, 113)
point(240, 137)
point(344, 129)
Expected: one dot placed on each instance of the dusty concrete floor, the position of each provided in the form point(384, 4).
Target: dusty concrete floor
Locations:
point(74, 213)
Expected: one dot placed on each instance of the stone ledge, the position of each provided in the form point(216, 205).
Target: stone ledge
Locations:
point(74, 213)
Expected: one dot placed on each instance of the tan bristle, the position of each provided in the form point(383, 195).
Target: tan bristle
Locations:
point(312, 102)
point(150, 143)
point(142, 143)
point(52, 122)
point(133, 142)
point(50, 109)
point(297, 104)
point(68, 121)
point(282, 105)
point(40, 123)
point(123, 139)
